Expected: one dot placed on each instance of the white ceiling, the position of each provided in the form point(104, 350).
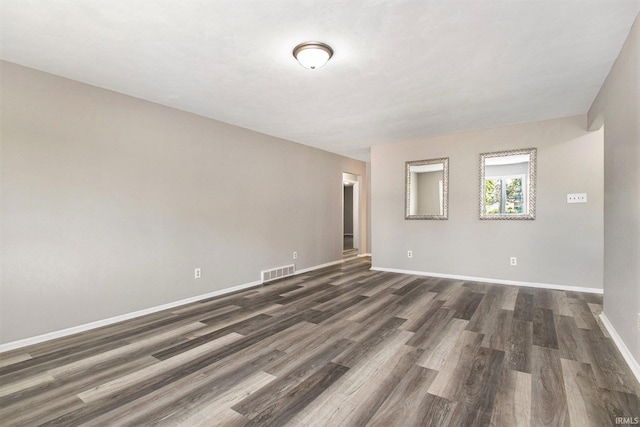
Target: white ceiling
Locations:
point(402, 70)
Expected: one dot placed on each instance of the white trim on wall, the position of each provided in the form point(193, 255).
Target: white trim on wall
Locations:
point(487, 280)
point(628, 357)
point(111, 320)
point(316, 267)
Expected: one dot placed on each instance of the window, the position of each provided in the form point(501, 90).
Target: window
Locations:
point(505, 195)
point(508, 185)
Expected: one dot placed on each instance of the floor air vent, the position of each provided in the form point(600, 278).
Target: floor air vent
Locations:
point(278, 272)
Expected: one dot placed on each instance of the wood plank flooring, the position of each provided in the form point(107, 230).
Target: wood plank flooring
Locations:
point(340, 346)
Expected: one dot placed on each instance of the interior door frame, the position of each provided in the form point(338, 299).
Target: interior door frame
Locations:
point(356, 180)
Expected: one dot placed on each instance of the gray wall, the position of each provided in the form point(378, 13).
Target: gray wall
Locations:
point(562, 246)
point(109, 203)
point(618, 105)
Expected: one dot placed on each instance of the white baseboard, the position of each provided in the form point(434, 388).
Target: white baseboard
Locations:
point(487, 280)
point(111, 320)
point(363, 255)
point(316, 267)
point(628, 357)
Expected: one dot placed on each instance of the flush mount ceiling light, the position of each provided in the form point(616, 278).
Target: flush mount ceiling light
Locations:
point(312, 55)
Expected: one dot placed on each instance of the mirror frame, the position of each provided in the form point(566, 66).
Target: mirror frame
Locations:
point(531, 201)
point(445, 188)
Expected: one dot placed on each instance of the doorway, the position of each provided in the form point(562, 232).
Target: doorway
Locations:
point(351, 214)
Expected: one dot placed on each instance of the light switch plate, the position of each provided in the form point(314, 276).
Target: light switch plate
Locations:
point(577, 198)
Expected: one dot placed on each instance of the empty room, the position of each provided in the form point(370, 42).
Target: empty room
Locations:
point(320, 213)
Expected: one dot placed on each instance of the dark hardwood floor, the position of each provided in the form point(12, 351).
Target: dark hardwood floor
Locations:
point(341, 346)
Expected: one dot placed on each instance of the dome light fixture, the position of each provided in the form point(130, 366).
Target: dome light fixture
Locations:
point(312, 55)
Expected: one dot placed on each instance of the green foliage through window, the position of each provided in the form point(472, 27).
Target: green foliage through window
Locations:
point(503, 195)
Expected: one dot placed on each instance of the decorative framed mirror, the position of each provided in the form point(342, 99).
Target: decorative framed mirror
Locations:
point(508, 185)
point(427, 189)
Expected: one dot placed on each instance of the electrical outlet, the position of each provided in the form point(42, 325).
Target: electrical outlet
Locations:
point(513, 260)
point(577, 198)
point(409, 254)
point(197, 273)
point(295, 255)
